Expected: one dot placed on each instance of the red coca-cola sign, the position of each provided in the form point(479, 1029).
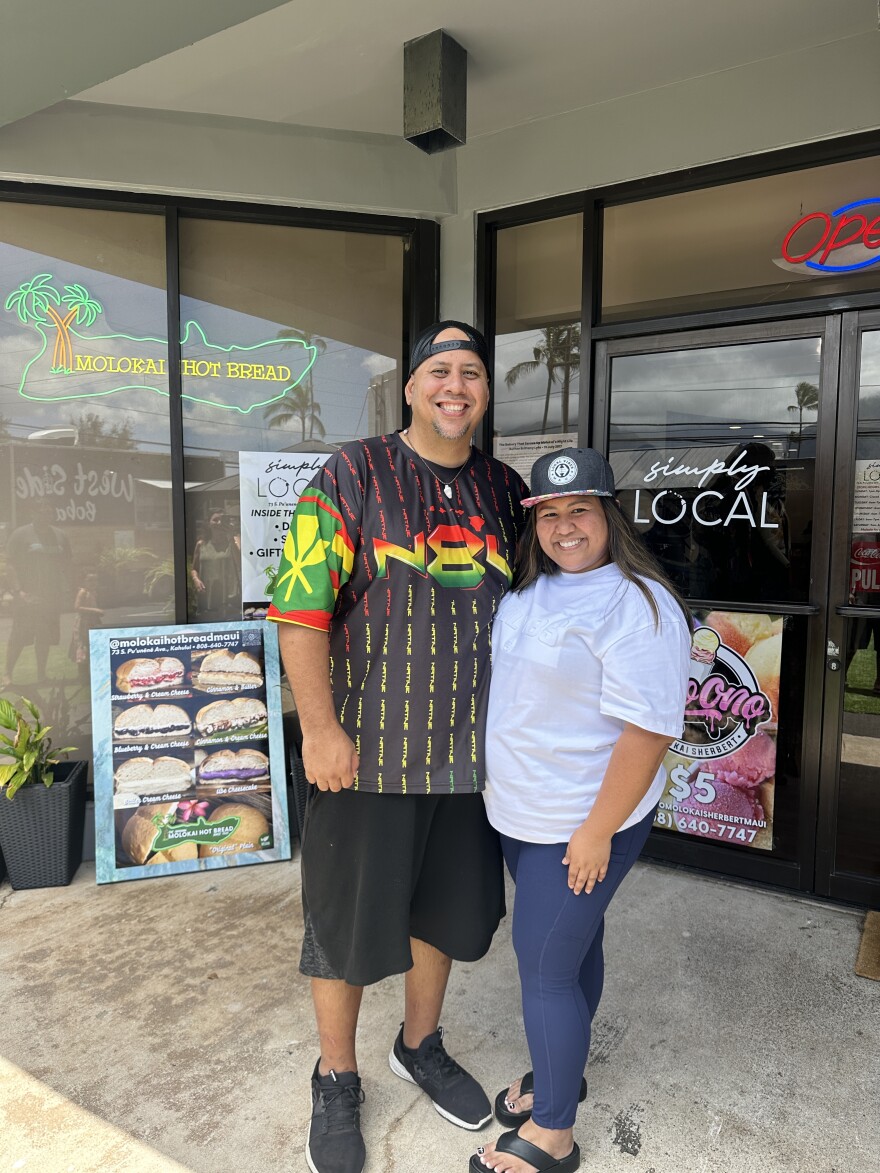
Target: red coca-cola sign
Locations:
point(864, 566)
point(842, 241)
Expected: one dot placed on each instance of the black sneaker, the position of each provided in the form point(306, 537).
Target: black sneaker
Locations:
point(456, 1095)
point(335, 1144)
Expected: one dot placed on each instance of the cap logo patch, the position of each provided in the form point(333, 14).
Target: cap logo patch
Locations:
point(562, 471)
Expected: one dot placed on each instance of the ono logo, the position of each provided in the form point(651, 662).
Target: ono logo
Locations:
point(842, 241)
point(724, 708)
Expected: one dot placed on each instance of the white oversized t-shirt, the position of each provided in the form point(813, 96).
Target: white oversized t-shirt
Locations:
point(575, 657)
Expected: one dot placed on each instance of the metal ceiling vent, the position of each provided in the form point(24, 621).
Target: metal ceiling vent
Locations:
point(435, 92)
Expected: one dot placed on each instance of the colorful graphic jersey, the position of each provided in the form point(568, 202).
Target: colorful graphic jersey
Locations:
point(406, 582)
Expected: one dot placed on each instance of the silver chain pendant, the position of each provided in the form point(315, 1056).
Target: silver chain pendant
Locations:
point(447, 485)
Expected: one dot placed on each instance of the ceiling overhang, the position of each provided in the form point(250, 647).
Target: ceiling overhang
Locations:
point(53, 49)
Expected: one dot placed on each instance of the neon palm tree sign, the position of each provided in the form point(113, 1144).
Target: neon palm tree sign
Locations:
point(39, 304)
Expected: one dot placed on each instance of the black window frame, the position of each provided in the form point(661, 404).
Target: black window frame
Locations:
point(592, 202)
point(592, 422)
point(421, 288)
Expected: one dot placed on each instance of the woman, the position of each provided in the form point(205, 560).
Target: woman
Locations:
point(87, 615)
point(589, 673)
point(216, 571)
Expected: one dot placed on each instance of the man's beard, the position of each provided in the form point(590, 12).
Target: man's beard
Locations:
point(460, 435)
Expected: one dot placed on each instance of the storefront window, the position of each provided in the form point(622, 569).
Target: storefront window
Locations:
point(803, 234)
point(291, 343)
point(537, 338)
point(859, 793)
point(864, 584)
point(713, 451)
point(85, 502)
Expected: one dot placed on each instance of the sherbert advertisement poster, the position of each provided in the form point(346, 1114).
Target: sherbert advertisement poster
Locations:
point(721, 775)
point(189, 750)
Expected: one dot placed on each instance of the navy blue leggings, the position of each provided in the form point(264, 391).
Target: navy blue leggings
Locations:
point(557, 937)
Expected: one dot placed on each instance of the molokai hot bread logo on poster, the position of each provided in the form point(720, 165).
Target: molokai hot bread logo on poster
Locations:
point(822, 244)
point(78, 357)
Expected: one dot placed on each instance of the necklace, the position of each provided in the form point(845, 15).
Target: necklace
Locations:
point(447, 485)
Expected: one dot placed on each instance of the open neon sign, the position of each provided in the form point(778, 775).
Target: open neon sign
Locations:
point(845, 228)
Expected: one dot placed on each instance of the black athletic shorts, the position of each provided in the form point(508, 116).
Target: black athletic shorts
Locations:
point(378, 869)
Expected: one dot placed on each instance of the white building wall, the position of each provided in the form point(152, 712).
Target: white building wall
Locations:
point(94, 145)
point(780, 102)
point(797, 98)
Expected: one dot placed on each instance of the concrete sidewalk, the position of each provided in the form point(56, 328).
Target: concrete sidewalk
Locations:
point(161, 1025)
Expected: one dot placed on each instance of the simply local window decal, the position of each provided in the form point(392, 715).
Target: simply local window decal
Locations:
point(74, 363)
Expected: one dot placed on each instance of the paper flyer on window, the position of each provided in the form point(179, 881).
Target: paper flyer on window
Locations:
point(866, 497)
point(189, 762)
point(721, 774)
point(270, 484)
point(521, 452)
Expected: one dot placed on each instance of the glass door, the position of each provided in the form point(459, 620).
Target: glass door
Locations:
point(848, 834)
point(722, 443)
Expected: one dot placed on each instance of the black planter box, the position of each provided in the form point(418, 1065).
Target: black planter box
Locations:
point(41, 830)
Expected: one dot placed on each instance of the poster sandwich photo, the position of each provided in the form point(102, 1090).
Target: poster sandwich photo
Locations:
point(189, 751)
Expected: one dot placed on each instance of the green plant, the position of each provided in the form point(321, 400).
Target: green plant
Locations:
point(271, 573)
point(124, 557)
point(159, 585)
point(26, 757)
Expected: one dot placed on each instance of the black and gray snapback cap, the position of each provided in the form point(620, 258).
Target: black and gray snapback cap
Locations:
point(570, 472)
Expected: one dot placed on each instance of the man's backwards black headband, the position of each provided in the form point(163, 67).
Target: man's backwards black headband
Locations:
point(425, 347)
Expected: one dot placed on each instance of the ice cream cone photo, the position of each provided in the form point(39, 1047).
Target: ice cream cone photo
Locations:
point(704, 647)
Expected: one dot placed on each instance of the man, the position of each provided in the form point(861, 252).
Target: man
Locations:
point(392, 570)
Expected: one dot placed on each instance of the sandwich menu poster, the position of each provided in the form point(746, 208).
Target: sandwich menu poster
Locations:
point(189, 751)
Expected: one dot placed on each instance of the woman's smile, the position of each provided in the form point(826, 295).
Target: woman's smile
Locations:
point(573, 532)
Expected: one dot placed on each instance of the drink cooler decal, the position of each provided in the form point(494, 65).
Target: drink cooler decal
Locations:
point(189, 751)
point(721, 774)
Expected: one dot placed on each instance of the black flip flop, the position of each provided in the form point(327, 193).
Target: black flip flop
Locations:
point(514, 1145)
point(527, 1085)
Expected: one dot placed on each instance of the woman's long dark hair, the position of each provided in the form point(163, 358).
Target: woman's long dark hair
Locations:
point(625, 549)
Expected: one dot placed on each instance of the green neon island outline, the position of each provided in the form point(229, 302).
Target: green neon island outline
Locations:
point(32, 317)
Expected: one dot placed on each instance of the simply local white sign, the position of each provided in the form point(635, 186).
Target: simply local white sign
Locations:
point(270, 484)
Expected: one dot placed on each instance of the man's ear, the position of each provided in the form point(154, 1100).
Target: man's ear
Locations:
point(408, 389)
